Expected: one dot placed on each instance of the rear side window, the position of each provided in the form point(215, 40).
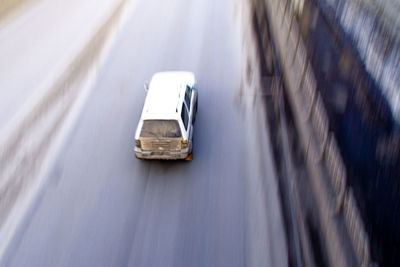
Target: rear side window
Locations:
point(188, 96)
point(160, 128)
point(185, 117)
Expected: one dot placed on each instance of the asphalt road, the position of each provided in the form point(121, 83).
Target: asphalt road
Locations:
point(103, 207)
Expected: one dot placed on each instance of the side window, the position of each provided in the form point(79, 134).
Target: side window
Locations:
point(185, 116)
point(188, 96)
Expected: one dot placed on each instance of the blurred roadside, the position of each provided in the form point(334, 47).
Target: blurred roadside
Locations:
point(46, 72)
point(38, 44)
point(10, 7)
point(341, 58)
point(373, 27)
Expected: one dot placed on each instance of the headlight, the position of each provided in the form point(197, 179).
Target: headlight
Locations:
point(184, 143)
point(138, 143)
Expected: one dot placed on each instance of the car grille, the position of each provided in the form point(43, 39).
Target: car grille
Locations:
point(150, 144)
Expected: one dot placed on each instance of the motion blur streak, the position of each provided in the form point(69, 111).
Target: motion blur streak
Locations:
point(103, 207)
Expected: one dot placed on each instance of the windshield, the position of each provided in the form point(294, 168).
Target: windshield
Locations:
point(160, 128)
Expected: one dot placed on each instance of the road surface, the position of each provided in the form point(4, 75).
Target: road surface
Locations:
point(101, 206)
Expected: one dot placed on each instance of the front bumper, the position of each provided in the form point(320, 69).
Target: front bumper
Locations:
point(144, 154)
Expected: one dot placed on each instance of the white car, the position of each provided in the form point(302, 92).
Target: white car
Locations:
point(165, 129)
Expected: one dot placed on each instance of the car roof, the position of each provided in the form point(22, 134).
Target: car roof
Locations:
point(165, 94)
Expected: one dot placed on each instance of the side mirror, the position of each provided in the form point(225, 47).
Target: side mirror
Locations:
point(146, 86)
